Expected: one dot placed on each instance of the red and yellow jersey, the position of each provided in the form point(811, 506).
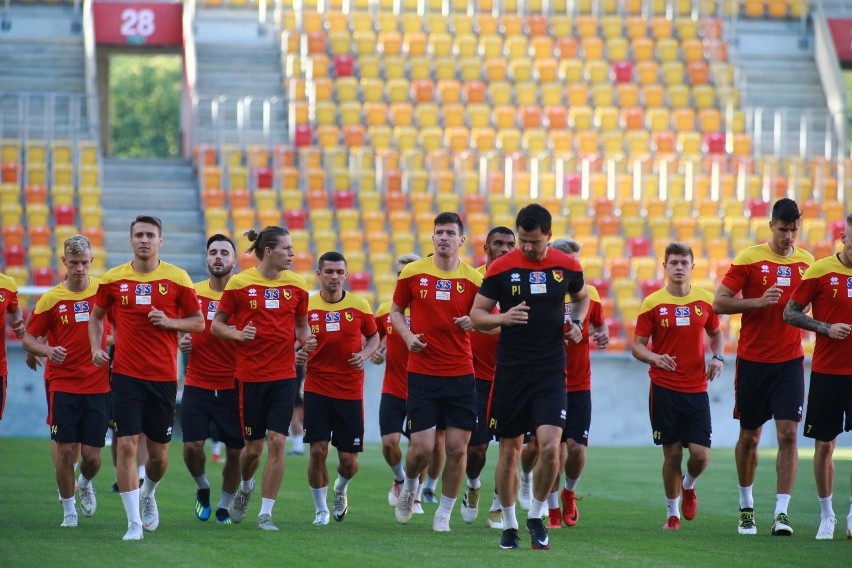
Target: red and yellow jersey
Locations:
point(827, 286)
point(272, 306)
point(62, 317)
point(435, 297)
point(8, 304)
point(143, 351)
point(340, 328)
point(578, 368)
point(752, 272)
point(396, 354)
point(484, 347)
point(676, 327)
point(212, 363)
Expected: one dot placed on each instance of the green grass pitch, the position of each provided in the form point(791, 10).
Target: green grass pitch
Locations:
point(621, 515)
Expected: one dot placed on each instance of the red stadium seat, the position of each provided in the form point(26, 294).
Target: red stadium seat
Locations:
point(622, 71)
point(714, 143)
point(639, 246)
point(648, 287)
point(64, 215)
point(602, 285)
point(359, 281)
point(15, 255)
point(758, 208)
point(344, 200)
point(836, 228)
point(303, 135)
point(344, 65)
point(263, 178)
point(43, 277)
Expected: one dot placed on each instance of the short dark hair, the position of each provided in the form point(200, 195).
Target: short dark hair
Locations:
point(501, 230)
point(150, 219)
point(448, 217)
point(533, 217)
point(849, 219)
point(330, 256)
point(679, 248)
point(786, 210)
point(267, 237)
point(220, 237)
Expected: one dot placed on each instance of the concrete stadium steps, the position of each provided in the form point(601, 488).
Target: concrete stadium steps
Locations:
point(161, 187)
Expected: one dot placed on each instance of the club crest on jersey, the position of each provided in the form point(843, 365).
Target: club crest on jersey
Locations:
point(443, 285)
point(538, 277)
point(271, 294)
point(163, 288)
point(460, 287)
point(287, 294)
point(2, 297)
point(558, 276)
point(143, 289)
point(801, 271)
point(698, 311)
point(348, 315)
point(785, 271)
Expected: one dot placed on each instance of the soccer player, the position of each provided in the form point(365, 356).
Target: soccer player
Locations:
point(498, 242)
point(394, 353)
point(15, 319)
point(674, 320)
point(153, 301)
point(210, 395)
point(770, 372)
point(578, 375)
point(346, 333)
point(827, 287)
point(439, 292)
point(530, 285)
point(78, 396)
point(269, 307)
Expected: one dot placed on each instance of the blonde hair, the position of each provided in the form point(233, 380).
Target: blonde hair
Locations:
point(77, 244)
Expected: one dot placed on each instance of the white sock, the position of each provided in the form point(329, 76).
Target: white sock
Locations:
point(495, 503)
point(266, 506)
point(131, 506)
point(688, 482)
point(319, 496)
point(825, 508)
point(217, 448)
point(299, 442)
point(510, 520)
point(782, 501)
point(526, 476)
point(411, 484)
point(148, 487)
point(431, 483)
point(201, 482)
point(69, 506)
point(553, 500)
point(537, 509)
point(418, 493)
point(341, 484)
point(247, 486)
point(746, 499)
point(474, 483)
point(398, 471)
point(82, 482)
point(571, 484)
point(673, 507)
point(447, 504)
point(141, 470)
point(225, 500)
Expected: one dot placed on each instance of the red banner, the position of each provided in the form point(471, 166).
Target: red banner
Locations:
point(841, 32)
point(138, 23)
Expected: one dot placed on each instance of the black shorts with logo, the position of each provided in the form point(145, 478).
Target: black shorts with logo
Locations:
point(78, 418)
point(482, 434)
point(141, 406)
point(829, 406)
point(446, 402)
point(680, 417)
point(392, 415)
point(525, 399)
point(767, 390)
point(334, 420)
point(266, 406)
point(579, 418)
point(203, 410)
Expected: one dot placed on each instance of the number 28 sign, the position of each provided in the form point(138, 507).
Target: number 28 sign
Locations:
point(137, 23)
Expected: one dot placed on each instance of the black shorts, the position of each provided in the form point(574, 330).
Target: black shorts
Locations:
point(829, 406)
point(300, 386)
point(579, 418)
point(482, 434)
point(680, 417)
point(523, 400)
point(266, 406)
point(448, 402)
point(205, 411)
point(392, 415)
point(766, 390)
point(334, 420)
point(140, 406)
point(78, 418)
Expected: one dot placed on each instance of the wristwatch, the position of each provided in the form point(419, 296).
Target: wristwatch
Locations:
point(578, 323)
point(718, 357)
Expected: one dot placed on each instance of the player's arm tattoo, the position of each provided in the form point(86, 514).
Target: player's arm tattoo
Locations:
point(794, 314)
